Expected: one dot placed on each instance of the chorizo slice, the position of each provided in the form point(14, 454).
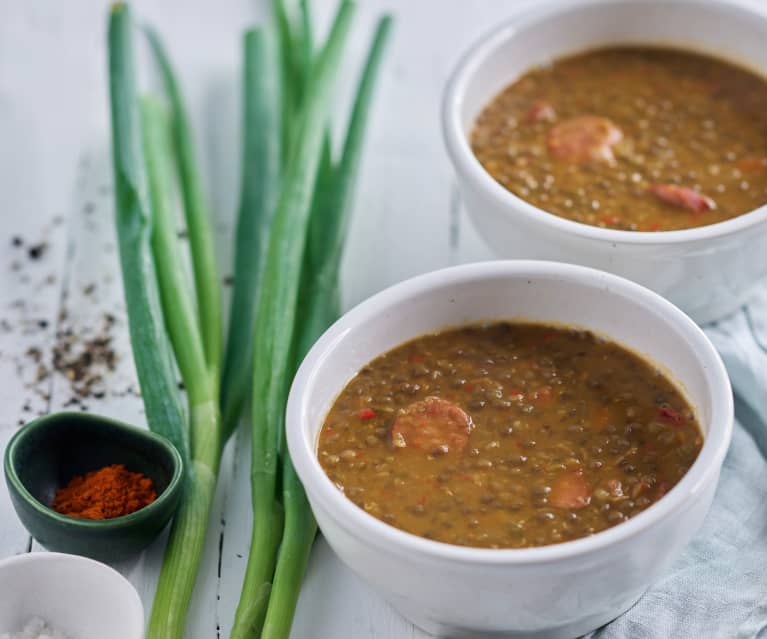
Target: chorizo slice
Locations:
point(683, 197)
point(586, 138)
point(570, 490)
point(432, 424)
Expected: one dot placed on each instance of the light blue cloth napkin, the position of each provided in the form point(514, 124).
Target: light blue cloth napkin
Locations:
point(718, 588)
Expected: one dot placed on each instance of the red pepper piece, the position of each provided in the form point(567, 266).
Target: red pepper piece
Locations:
point(669, 413)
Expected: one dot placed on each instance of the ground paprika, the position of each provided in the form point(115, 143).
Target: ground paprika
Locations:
point(112, 491)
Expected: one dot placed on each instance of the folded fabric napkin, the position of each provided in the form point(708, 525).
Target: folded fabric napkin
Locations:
point(718, 588)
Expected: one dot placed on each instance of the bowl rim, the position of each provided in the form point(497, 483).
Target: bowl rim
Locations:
point(147, 512)
point(49, 557)
point(467, 164)
point(375, 532)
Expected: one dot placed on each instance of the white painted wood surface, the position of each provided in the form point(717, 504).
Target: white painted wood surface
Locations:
point(55, 187)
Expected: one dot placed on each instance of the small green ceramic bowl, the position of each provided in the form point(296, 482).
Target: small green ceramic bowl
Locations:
point(46, 453)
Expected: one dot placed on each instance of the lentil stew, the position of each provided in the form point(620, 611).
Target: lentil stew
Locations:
point(631, 138)
point(508, 435)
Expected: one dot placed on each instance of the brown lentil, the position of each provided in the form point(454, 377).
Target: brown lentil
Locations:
point(692, 149)
point(526, 477)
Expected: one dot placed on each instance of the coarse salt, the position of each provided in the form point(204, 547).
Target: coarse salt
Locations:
point(36, 628)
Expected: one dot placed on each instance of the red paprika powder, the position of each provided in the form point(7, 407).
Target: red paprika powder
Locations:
point(112, 491)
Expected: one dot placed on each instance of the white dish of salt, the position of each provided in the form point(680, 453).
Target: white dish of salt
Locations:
point(80, 598)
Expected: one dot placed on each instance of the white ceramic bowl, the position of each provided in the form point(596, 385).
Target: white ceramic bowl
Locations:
point(81, 597)
point(561, 590)
point(708, 271)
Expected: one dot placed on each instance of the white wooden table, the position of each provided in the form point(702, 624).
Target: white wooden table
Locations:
point(55, 188)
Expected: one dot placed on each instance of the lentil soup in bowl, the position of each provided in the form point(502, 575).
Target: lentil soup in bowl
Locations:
point(626, 135)
point(549, 431)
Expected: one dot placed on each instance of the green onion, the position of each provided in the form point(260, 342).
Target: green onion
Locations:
point(320, 292)
point(151, 348)
point(261, 168)
point(297, 539)
point(258, 195)
point(329, 223)
point(187, 536)
point(207, 284)
point(276, 314)
point(289, 79)
point(142, 155)
point(180, 318)
point(306, 41)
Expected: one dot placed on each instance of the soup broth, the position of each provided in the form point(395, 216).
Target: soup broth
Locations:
point(508, 435)
point(639, 139)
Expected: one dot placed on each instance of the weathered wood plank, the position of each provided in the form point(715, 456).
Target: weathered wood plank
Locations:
point(55, 188)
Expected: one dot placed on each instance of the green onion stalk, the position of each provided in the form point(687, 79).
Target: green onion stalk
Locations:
point(261, 161)
point(151, 347)
point(187, 535)
point(162, 314)
point(325, 221)
point(201, 241)
point(321, 306)
point(275, 321)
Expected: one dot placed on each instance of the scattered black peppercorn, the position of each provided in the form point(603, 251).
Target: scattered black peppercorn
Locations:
point(83, 361)
point(36, 251)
